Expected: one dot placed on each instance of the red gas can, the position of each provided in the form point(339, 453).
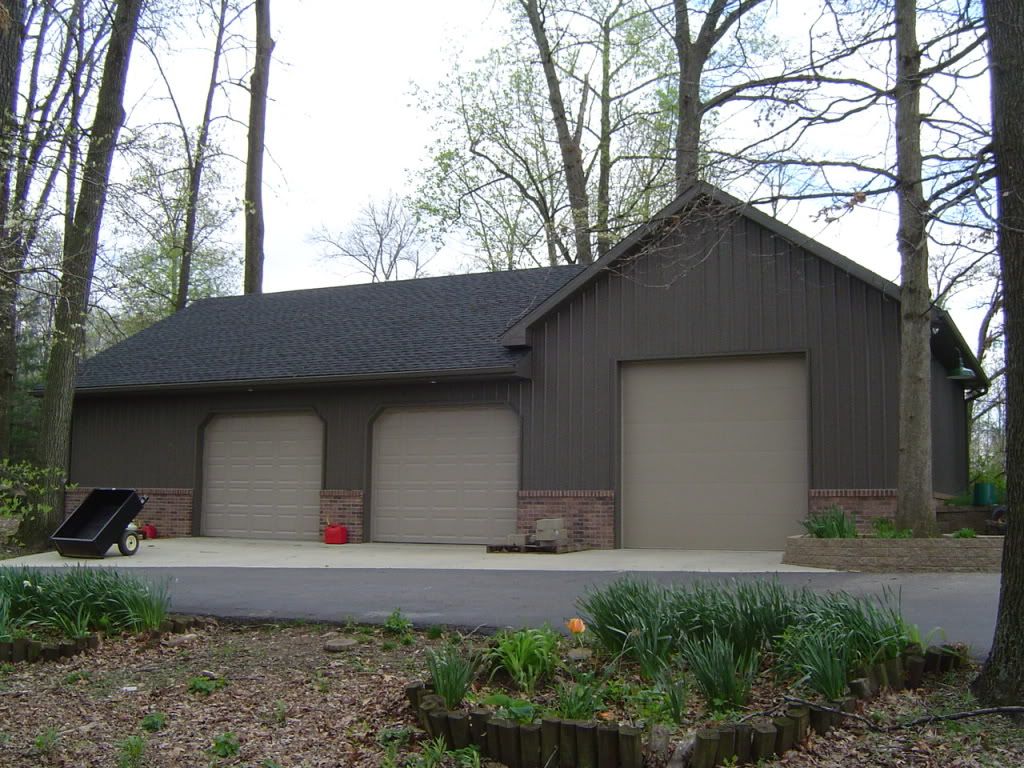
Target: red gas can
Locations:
point(335, 534)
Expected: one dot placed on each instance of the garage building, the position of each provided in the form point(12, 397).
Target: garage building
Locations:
point(702, 385)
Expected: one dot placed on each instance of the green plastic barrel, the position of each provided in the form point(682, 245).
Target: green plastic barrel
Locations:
point(984, 494)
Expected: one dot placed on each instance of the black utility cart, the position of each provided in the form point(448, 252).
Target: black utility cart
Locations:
point(100, 521)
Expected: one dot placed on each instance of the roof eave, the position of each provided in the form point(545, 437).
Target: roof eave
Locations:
point(429, 376)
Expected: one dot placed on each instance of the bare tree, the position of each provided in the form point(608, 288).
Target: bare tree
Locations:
point(568, 139)
point(1002, 677)
point(384, 242)
point(253, 204)
point(81, 243)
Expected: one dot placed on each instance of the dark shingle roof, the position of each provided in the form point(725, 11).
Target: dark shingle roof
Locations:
point(403, 327)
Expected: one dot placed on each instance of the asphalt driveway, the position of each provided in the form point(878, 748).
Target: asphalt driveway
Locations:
point(466, 587)
point(962, 605)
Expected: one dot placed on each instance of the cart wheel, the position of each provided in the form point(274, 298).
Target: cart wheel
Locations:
point(129, 543)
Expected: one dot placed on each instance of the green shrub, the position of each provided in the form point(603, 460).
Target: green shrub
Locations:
point(723, 674)
point(225, 745)
point(886, 529)
point(965, 533)
point(830, 523)
point(452, 673)
point(154, 721)
point(526, 655)
point(396, 624)
point(131, 751)
point(578, 701)
point(204, 686)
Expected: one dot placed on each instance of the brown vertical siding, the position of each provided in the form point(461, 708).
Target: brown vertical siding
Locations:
point(153, 440)
point(949, 432)
point(737, 291)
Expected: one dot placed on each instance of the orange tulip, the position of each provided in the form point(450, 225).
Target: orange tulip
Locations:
point(576, 626)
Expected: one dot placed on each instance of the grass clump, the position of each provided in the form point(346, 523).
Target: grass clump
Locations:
point(820, 659)
point(525, 655)
point(452, 674)
point(830, 523)
point(225, 745)
point(204, 686)
point(154, 721)
point(397, 624)
point(965, 533)
point(723, 674)
point(578, 701)
point(131, 752)
point(886, 529)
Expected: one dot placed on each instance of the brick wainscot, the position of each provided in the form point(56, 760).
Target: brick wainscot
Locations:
point(168, 509)
point(589, 515)
point(344, 508)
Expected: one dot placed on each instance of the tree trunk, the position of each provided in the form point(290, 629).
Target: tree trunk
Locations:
point(604, 148)
point(12, 14)
point(80, 257)
point(688, 101)
point(915, 500)
point(195, 170)
point(1001, 681)
point(254, 160)
point(572, 156)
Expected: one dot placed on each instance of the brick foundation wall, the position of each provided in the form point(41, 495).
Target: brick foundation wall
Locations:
point(168, 509)
point(981, 554)
point(865, 504)
point(344, 507)
point(868, 504)
point(589, 515)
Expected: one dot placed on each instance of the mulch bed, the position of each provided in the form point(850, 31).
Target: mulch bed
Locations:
point(290, 702)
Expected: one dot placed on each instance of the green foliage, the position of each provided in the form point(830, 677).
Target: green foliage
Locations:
point(723, 674)
point(46, 741)
point(204, 686)
point(225, 745)
point(75, 601)
point(578, 701)
point(675, 695)
point(23, 490)
point(886, 529)
point(452, 674)
point(619, 612)
point(7, 625)
point(526, 655)
point(396, 624)
point(820, 656)
point(435, 632)
point(830, 523)
point(965, 533)
point(517, 710)
point(154, 721)
point(131, 751)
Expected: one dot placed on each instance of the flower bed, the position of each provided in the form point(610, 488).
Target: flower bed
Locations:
point(882, 555)
point(49, 615)
point(713, 673)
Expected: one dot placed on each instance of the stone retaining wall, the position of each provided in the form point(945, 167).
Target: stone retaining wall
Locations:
point(981, 554)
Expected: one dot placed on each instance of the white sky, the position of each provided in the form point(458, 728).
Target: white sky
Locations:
point(343, 127)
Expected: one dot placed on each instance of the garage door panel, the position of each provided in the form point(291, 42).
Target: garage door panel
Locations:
point(445, 475)
point(714, 453)
point(262, 476)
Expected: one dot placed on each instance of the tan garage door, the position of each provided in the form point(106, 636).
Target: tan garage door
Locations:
point(445, 475)
point(714, 453)
point(262, 476)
